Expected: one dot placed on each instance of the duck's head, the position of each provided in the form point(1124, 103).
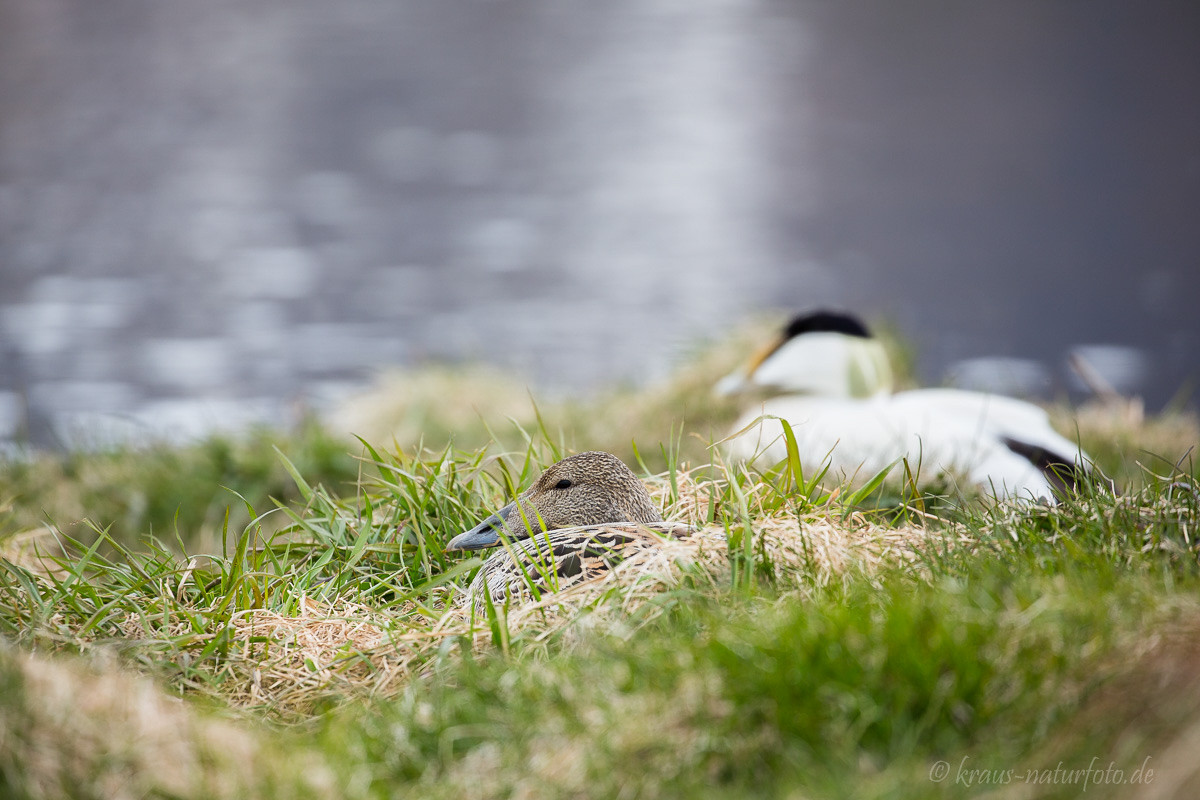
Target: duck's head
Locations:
point(826, 353)
point(587, 489)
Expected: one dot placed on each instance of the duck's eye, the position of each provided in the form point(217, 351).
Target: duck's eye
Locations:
point(563, 484)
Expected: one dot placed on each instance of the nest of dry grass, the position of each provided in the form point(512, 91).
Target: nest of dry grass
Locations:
point(340, 650)
point(334, 649)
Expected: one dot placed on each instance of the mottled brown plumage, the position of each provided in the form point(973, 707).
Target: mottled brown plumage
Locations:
point(584, 514)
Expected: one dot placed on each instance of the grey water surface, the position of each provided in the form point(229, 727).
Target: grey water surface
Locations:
point(211, 210)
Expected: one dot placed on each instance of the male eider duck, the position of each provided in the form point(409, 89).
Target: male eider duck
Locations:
point(834, 387)
point(582, 516)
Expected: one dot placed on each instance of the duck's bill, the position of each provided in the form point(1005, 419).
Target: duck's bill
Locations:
point(741, 378)
point(485, 534)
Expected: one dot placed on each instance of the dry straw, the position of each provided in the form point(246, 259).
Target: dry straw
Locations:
point(339, 649)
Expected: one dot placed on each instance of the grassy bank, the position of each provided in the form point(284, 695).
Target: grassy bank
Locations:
point(307, 636)
point(183, 493)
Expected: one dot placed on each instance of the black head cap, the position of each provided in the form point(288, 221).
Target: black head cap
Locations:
point(827, 322)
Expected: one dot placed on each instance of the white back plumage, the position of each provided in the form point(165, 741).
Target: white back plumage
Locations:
point(966, 436)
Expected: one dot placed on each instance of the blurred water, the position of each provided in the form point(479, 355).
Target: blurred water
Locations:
point(209, 212)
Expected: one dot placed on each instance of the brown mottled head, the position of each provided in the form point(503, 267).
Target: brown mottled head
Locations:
point(588, 489)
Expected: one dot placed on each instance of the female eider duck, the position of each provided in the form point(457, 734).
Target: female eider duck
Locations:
point(834, 387)
point(582, 516)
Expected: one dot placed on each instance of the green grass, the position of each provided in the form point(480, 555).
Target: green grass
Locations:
point(774, 683)
point(165, 490)
point(295, 593)
point(853, 694)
